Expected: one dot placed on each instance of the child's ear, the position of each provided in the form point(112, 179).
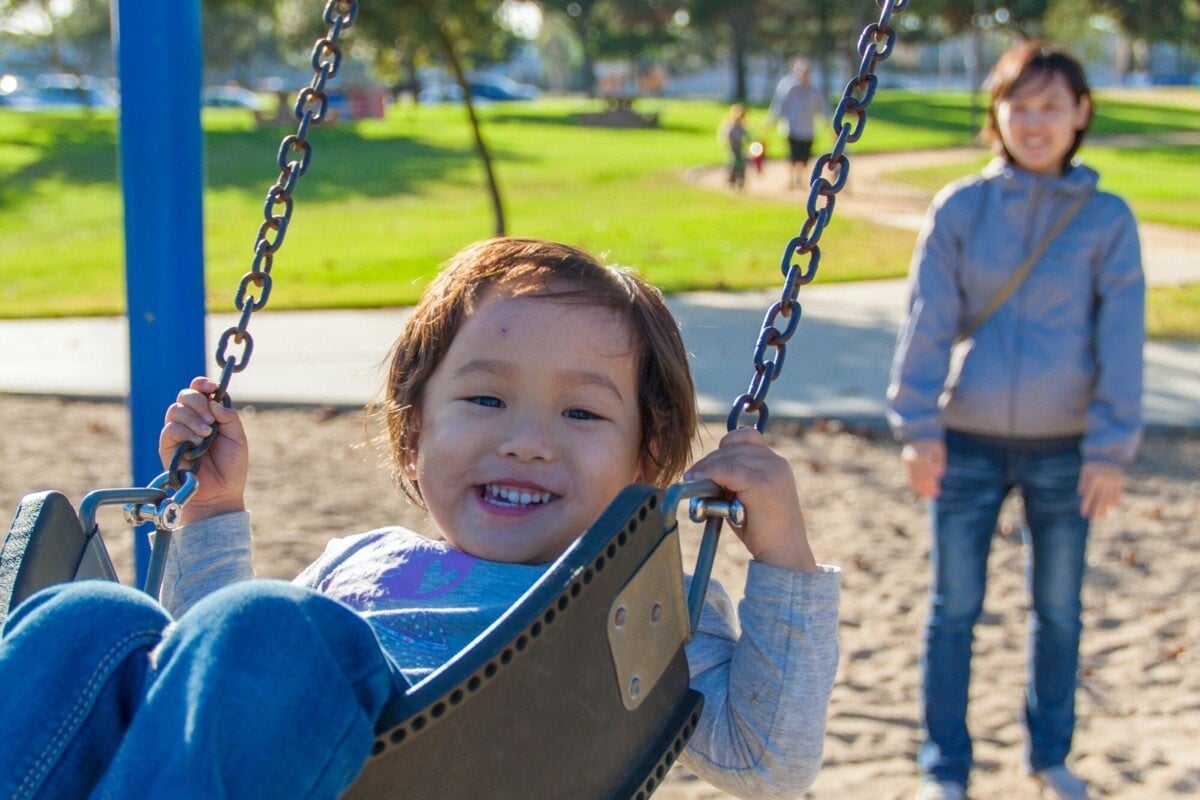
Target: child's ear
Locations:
point(1083, 112)
point(411, 449)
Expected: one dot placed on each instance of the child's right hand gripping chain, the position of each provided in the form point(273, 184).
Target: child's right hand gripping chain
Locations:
point(221, 471)
point(762, 480)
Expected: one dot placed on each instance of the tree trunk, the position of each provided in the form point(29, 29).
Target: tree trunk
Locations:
point(484, 154)
point(740, 24)
point(825, 33)
point(587, 69)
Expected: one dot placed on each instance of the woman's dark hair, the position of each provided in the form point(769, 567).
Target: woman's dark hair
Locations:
point(1032, 62)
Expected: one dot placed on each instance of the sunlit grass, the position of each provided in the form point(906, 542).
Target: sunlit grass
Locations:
point(1173, 312)
point(386, 201)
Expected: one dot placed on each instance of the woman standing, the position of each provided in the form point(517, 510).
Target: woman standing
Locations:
point(1018, 367)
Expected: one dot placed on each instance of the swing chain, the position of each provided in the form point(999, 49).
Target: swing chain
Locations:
point(235, 345)
point(875, 45)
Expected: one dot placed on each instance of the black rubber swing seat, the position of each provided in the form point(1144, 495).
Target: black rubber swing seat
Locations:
point(580, 690)
point(47, 545)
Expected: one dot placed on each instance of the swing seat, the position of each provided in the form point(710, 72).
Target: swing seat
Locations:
point(47, 544)
point(580, 690)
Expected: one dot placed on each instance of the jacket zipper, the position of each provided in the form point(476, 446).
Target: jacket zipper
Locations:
point(1014, 389)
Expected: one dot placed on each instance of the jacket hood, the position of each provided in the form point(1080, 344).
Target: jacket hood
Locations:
point(1013, 180)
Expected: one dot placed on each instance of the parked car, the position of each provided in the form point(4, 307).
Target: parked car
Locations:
point(58, 91)
point(231, 97)
point(15, 93)
point(496, 88)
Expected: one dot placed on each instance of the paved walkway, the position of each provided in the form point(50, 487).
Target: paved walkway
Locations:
point(836, 366)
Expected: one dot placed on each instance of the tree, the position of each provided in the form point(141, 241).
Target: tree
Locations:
point(636, 31)
point(455, 30)
point(778, 30)
point(239, 36)
point(76, 43)
point(1155, 20)
point(822, 30)
point(578, 14)
point(738, 17)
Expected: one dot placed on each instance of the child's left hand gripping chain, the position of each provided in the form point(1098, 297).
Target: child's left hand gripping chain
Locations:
point(762, 480)
point(221, 471)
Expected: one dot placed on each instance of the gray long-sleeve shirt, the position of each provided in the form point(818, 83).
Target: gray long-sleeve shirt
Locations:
point(798, 104)
point(766, 690)
point(1063, 355)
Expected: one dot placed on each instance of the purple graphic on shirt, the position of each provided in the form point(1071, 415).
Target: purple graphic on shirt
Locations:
point(425, 575)
point(410, 594)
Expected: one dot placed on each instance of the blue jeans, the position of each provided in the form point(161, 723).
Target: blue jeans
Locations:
point(979, 475)
point(262, 690)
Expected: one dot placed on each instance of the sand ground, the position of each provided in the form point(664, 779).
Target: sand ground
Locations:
point(1139, 702)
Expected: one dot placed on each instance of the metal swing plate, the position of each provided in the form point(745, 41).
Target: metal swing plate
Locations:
point(648, 622)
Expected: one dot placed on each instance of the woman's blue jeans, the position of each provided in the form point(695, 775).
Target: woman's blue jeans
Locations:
point(979, 475)
point(262, 690)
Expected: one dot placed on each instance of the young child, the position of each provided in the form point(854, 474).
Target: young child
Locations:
point(530, 385)
point(1046, 397)
point(735, 136)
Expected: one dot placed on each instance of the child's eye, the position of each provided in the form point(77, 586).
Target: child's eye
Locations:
point(580, 413)
point(486, 401)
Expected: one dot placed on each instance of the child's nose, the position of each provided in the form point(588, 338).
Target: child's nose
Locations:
point(527, 440)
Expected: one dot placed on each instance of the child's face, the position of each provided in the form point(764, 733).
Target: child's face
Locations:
point(528, 428)
point(1038, 123)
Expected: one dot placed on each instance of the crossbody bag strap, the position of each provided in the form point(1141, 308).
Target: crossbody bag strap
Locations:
point(1020, 273)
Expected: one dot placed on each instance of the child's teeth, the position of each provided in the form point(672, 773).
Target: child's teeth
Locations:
point(517, 497)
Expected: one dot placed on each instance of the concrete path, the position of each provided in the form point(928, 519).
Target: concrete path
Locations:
point(836, 366)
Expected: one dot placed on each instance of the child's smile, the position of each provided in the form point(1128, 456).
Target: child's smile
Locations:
point(528, 427)
point(515, 497)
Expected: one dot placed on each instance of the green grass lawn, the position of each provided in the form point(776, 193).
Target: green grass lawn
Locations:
point(1156, 181)
point(386, 201)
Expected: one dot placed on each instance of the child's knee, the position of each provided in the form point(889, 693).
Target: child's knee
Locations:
point(270, 619)
point(265, 635)
point(87, 605)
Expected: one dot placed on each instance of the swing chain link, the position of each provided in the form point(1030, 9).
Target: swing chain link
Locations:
point(874, 45)
point(235, 345)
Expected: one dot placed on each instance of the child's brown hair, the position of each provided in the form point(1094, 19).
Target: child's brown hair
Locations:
point(1032, 61)
point(540, 268)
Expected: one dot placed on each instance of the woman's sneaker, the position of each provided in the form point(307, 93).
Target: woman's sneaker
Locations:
point(1059, 782)
point(941, 790)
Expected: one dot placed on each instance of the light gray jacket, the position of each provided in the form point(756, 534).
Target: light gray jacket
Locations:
point(1063, 355)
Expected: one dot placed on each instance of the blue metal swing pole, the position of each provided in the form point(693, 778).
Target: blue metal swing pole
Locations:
point(158, 58)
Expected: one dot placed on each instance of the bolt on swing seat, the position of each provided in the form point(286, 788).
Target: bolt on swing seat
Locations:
point(49, 543)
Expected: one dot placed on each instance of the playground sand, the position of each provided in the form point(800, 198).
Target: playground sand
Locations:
point(1139, 700)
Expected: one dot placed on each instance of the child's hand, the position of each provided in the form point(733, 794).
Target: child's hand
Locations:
point(221, 472)
point(745, 465)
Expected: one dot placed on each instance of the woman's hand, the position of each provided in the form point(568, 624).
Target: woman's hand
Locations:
point(1100, 487)
point(924, 464)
